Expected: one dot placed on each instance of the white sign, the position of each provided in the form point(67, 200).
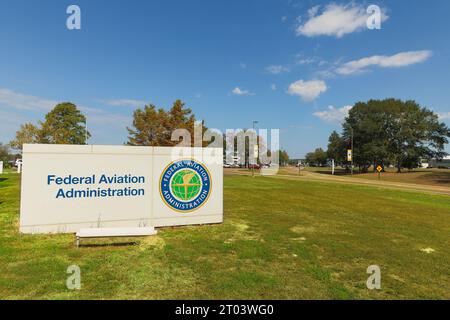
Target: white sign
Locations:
point(1, 167)
point(67, 187)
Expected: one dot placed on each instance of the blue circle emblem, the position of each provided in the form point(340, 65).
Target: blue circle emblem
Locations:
point(185, 185)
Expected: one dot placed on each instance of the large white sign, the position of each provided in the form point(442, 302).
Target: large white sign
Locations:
point(67, 187)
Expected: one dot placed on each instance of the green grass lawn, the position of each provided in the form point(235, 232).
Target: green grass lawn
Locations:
point(281, 239)
point(433, 177)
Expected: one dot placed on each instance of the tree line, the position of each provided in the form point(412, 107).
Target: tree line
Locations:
point(65, 124)
point(151, 126)
point(386, 132)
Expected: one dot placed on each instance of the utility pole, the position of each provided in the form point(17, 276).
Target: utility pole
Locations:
point(253, 126)
point(351, 131)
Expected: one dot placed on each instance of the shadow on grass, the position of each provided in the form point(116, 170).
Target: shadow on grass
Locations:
point(3, 179)
point(337, 172)
point(115, 244)
point(437, 177)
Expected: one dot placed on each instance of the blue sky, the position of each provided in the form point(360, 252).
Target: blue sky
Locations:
point(293, 65)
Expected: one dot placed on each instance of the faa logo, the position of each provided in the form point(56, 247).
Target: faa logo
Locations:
point(185, 185)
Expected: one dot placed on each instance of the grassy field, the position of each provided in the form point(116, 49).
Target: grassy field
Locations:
point(433, 177)
point(281, 239)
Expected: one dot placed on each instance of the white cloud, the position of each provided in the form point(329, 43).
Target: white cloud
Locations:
point(10, 99)
point(276, 69)
point(335, 20)
point(125, 103)
point(16, 100)
point(300, 59)
point(325, 74)
point(444, 116)
point(398, 60)
point(333, 114)
point(273, 86)
point(313, 11)
point(239, 92)
point(307, 90)
point(12, 105)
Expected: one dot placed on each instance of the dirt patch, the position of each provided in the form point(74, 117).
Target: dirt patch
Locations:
point(301, 229)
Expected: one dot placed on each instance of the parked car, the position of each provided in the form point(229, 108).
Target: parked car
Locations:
point(254, 166)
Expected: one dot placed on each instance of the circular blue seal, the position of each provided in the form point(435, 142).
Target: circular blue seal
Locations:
point(185, 185)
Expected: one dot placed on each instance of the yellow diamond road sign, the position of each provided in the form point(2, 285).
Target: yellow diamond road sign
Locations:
point(379, 168)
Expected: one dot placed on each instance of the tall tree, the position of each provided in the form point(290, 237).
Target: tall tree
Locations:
point(151, 127)
point(4, 154)
point(317, 158)
point(65, 124)
point(183, 118)
point(154, 127)
point(336, 148)
point(395, 131)
point(28, 133)
point(283, 157)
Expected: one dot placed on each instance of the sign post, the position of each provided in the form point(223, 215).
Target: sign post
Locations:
point(379, 169)
point(350, 158)
point(255, 156)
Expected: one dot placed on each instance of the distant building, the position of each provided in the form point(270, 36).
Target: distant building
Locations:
point(437, 163)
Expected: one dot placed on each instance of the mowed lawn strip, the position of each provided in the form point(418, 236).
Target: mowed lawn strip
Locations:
point(433, 177)
point(429, 177)
point(281, 239)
